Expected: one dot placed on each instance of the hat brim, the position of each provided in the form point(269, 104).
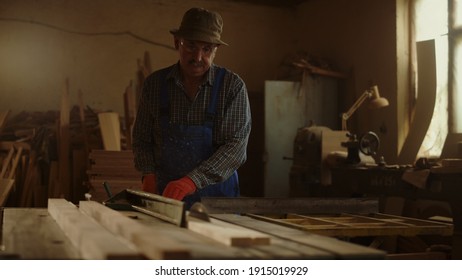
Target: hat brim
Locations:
point(197, 37)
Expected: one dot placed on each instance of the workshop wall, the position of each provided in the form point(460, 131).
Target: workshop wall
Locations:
point(96, 44)
point(45, 42)
point(360, 38)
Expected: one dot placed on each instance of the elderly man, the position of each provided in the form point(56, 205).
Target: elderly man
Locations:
point(193, 121)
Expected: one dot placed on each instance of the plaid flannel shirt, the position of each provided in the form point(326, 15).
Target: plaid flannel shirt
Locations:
point(231, 128)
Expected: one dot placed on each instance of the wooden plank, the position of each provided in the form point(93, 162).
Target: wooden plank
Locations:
point(147, 68)
point(128, 163)
point(130, 112)
point(53, 178)
point(418, 256)
point(101, 153)
point(63, 188)
point(226, 233)
point(29, 182)
point(339, 249)
point(92, 240)
point(9, 167)
point(120, 171)
point(116, 182)
point(312, 69)
point(202, 247)
point(5, 188)
point(3, 118)
point(114, 167)
point(7, 145)
point(6, 162)
point(82, 122)
point(8, 172)
point(15, 163)
point(110, 130)
point(148, 240)
point(31, 234)
point(422, 226)
point(79, 166)
point(262, 205)
point(349, 225)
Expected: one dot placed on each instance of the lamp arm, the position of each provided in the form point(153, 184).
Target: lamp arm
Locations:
point(354, 107)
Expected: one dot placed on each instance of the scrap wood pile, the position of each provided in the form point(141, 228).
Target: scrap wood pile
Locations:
point(29, 156)
point(64, 154)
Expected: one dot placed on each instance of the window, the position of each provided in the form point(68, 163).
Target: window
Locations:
point(455, 69)
point(431, 26)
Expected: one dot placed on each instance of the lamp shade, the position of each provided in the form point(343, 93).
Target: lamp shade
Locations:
point(378, 103)
point(375, 100)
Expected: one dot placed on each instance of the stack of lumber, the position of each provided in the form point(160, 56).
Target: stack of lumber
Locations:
point(38, 169)
point(57, 144)
point(8, 172)
point(116, 168)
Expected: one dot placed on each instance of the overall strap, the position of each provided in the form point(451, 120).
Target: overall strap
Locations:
point(211, 110)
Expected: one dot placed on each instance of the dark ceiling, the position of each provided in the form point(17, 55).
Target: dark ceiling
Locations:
point(274, 3)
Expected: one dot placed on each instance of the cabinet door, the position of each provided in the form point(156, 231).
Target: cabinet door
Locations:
point(288, 106)
point(284, 113)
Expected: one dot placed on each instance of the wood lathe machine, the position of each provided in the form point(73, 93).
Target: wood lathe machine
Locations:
point(138, 225)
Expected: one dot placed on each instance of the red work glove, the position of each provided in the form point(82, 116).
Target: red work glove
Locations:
point(180, 188)
point(149, 183)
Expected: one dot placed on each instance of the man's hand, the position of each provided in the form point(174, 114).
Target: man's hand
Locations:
point(180, 188)
point(149, 183)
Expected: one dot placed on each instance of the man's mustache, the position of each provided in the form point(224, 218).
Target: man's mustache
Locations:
point(196, 63)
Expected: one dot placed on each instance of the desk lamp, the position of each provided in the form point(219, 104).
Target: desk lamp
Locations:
point(375, 102)
point(354, 145)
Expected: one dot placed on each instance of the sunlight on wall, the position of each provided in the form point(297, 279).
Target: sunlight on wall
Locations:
point(437, 132)
point(457, 67)
point(457, 87)
point(431, 23)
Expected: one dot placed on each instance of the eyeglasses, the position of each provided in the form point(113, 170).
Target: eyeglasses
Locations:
point(191, 47)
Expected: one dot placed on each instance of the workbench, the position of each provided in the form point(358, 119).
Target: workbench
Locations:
point(437, 184)
point(236, 228)
point(32, 233)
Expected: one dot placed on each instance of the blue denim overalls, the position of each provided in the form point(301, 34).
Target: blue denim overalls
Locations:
point(186, 146)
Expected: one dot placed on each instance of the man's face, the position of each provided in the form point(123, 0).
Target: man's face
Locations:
point(196, 57)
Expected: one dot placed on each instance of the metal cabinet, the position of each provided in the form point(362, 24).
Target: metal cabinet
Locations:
point(288, 106)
